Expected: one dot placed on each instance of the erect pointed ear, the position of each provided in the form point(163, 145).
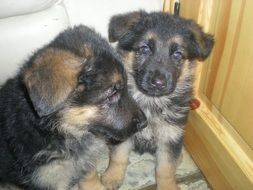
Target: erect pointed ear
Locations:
point(120, 24)
point(50, 79)
point(202, 44)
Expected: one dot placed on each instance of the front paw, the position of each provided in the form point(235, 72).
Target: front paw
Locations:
point(167, 184)
point(111, 181)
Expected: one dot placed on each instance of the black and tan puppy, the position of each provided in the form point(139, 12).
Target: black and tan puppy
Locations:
point(57, 114)
point(158, 51)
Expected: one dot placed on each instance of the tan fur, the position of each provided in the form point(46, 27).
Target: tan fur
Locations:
point(53, 74)
point(163, 133)
point(186, 71)
point(116, 77)
point(74, 119)
point(114, 174)
point(86, 51)
point(165, 172)
point(128, 58)
point(91, 182)
point(80, 88)
point(175, 39)
point(57, 171)
point(150, 36)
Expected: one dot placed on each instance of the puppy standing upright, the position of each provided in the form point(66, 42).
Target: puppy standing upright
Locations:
point(158, 51)
point(57, 114)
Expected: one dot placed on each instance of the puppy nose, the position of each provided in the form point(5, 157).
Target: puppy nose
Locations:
point(141, 121)
point(159, 81)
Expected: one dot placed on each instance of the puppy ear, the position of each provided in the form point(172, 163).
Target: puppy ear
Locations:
point(50, 79)
point(202, 42)
point(119, 25)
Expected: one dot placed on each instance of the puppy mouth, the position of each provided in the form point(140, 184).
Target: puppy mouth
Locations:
point(154, 93)
point(147, 90)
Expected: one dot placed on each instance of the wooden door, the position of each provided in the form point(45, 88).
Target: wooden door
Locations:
point(220, 132)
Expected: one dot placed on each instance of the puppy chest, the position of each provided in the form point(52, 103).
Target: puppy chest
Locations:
point(160, 131)
point(55, 175)
point(70, 165)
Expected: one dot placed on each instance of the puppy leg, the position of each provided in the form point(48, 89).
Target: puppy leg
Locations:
point(114, 174)
point(165, 171)
point(91, 181)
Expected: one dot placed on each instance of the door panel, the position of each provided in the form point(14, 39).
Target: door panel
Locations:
point(232, 91)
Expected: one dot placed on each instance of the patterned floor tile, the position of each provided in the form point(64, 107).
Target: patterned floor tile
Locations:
point(141, 173)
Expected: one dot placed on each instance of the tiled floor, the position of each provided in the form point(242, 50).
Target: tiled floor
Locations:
point(140, 173)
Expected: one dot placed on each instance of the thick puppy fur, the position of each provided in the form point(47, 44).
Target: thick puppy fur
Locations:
point(158, 51)
point(67, 102)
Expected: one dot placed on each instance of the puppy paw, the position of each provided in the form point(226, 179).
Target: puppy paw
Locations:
point(168, 188)
point(111, 182)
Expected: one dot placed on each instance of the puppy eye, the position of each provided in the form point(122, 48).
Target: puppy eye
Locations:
point(81, 79)
point(145, 49)
point(114, 94)
point(83, 61)
point(87, 79)
point(88, 67)
point(178, 55)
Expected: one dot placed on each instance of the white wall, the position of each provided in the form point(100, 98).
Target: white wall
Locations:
point(96, 13)
point(29, 25)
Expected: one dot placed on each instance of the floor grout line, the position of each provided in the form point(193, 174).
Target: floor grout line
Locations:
point(191, 178)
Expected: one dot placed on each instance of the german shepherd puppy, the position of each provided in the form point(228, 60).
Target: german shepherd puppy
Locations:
point(57, 114)
point(158, 51)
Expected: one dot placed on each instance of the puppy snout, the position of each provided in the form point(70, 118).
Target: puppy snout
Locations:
point(140, 121)
point(159, 81)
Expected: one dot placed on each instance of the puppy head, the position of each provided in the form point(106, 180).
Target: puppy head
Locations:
point(159, 46)
point(104, 86)
point(80, 81)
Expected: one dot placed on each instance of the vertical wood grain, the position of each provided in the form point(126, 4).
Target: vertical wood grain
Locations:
point(228, 52)
point(237, 100)
point(220, 31)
